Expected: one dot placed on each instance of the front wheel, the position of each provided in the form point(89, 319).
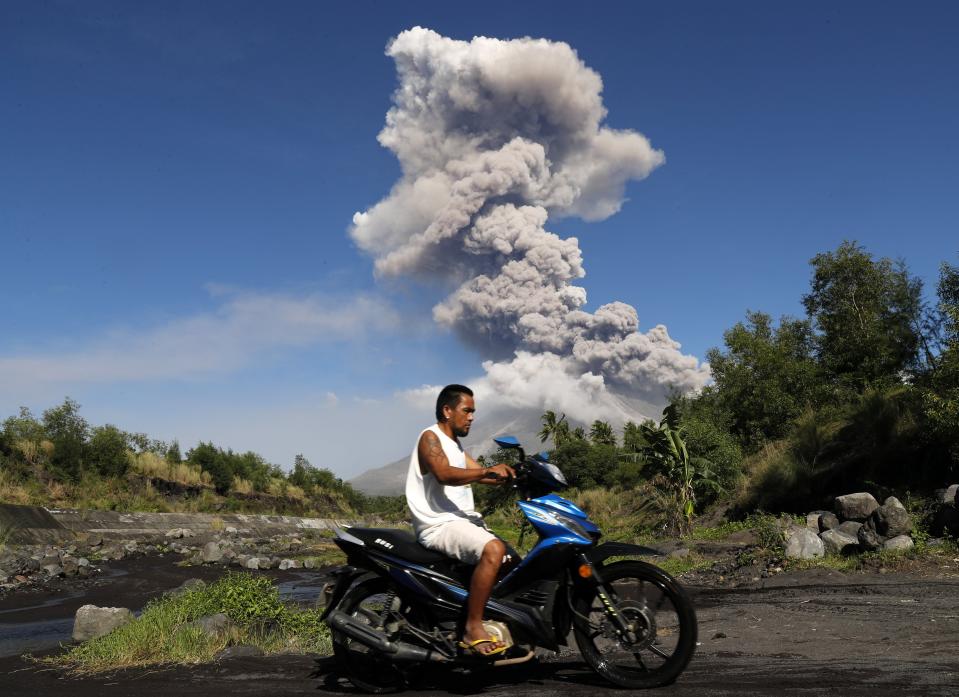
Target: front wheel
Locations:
point(661, 625)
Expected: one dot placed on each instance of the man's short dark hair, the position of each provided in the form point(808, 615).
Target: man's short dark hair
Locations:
point(450, 397)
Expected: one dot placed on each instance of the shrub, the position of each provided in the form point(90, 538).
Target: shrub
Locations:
point(107, 451)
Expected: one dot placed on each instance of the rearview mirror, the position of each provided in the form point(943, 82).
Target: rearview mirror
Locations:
point(506, 442)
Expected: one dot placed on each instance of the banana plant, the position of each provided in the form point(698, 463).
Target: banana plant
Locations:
point(665, 453)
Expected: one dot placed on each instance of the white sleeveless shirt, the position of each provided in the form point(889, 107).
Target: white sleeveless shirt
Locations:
point(430, 502)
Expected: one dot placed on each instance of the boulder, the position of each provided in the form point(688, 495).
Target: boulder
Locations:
point(803, 543)
point(869, 540)
point(839, 542)
point(213, 624)
point(309, 563)
point(230, 530)
point(190, 584)
point(828, 521)
point(94, 539)
point(53, 570)
point(4, 575)
point(92, 621)
point(131, 547)
point(900, 542)
point(211, 553)
point(857, 506)
point(178, 533)
point(84, 570)
point(70, 565)
point(949, 494)
point(240, 651)
point(812, 520)
point(850, 527)
point(893, 501)
point(288, 564)
point(253, 563)
point(113, 553)
point(892, 520)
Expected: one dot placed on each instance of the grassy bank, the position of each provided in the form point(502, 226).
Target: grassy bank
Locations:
point(163, 634)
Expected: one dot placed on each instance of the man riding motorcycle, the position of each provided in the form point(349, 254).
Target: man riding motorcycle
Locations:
point(441, 505)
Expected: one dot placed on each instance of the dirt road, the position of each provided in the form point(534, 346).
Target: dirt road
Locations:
point(814, 632)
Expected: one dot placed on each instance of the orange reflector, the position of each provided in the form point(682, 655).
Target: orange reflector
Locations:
point(585, 571)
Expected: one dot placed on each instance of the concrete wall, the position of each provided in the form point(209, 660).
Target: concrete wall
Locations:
point(34, 524)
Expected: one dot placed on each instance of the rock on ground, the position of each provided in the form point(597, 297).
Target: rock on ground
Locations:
point(92, 621)
point(858, 506)
point(869, 539)
point(213, 624)
point(899, 542)
point(240, 651)
point(828, 521)
point(892, 520)
point(839, 542)
point(211, 553)
point(850, 527)
point(803, 543)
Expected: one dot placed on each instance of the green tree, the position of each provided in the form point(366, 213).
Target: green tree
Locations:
point(173, 455)
point(557, 429)
point(764, 379)
point(572, 457)
point(211, 459)
point(67, 430)
point(107, 449)
point(633, 440)
point(867, 313)
point(941, 396)
point(601, 433)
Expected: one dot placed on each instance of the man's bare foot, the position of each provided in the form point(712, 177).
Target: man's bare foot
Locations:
point(478, 640)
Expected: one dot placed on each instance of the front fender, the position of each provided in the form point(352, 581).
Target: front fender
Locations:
point(600, 553)
point(346, 578)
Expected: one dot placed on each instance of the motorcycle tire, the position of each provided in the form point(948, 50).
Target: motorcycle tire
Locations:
point(664, 638)
point(367, 670)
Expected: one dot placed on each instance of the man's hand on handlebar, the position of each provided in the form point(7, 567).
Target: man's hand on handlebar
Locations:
point(499, 474)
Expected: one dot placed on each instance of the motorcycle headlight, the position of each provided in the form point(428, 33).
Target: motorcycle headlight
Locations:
point(573, 525)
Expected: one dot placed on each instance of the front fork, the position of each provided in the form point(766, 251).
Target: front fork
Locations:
point(591, 572)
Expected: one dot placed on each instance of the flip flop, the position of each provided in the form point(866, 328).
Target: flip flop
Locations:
point(471, 647)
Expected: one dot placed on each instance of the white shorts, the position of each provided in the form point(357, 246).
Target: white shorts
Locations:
point(462, 539)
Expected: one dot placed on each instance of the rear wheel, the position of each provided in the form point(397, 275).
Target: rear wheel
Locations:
point(373, 604)
point(661, 627)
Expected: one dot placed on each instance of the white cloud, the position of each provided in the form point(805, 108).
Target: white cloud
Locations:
point(245, 325)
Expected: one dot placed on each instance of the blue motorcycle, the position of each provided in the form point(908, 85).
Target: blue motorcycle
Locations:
point(397, 607)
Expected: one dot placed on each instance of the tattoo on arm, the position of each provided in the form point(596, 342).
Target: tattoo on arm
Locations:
point(432, 455)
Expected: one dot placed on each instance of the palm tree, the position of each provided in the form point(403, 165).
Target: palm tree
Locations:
point(557, 428)
point(601, 433)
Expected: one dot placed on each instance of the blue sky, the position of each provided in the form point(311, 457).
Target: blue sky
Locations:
point(177, 180)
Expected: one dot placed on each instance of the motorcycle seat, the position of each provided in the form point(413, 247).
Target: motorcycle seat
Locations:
point(400, 543)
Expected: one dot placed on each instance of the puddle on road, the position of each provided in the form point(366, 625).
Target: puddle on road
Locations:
point(27, 637)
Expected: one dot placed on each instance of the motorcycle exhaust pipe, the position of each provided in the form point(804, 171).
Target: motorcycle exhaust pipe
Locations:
point(397, 650)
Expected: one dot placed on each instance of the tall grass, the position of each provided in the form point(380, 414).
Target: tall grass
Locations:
point(163, 633)
point(153, 466)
